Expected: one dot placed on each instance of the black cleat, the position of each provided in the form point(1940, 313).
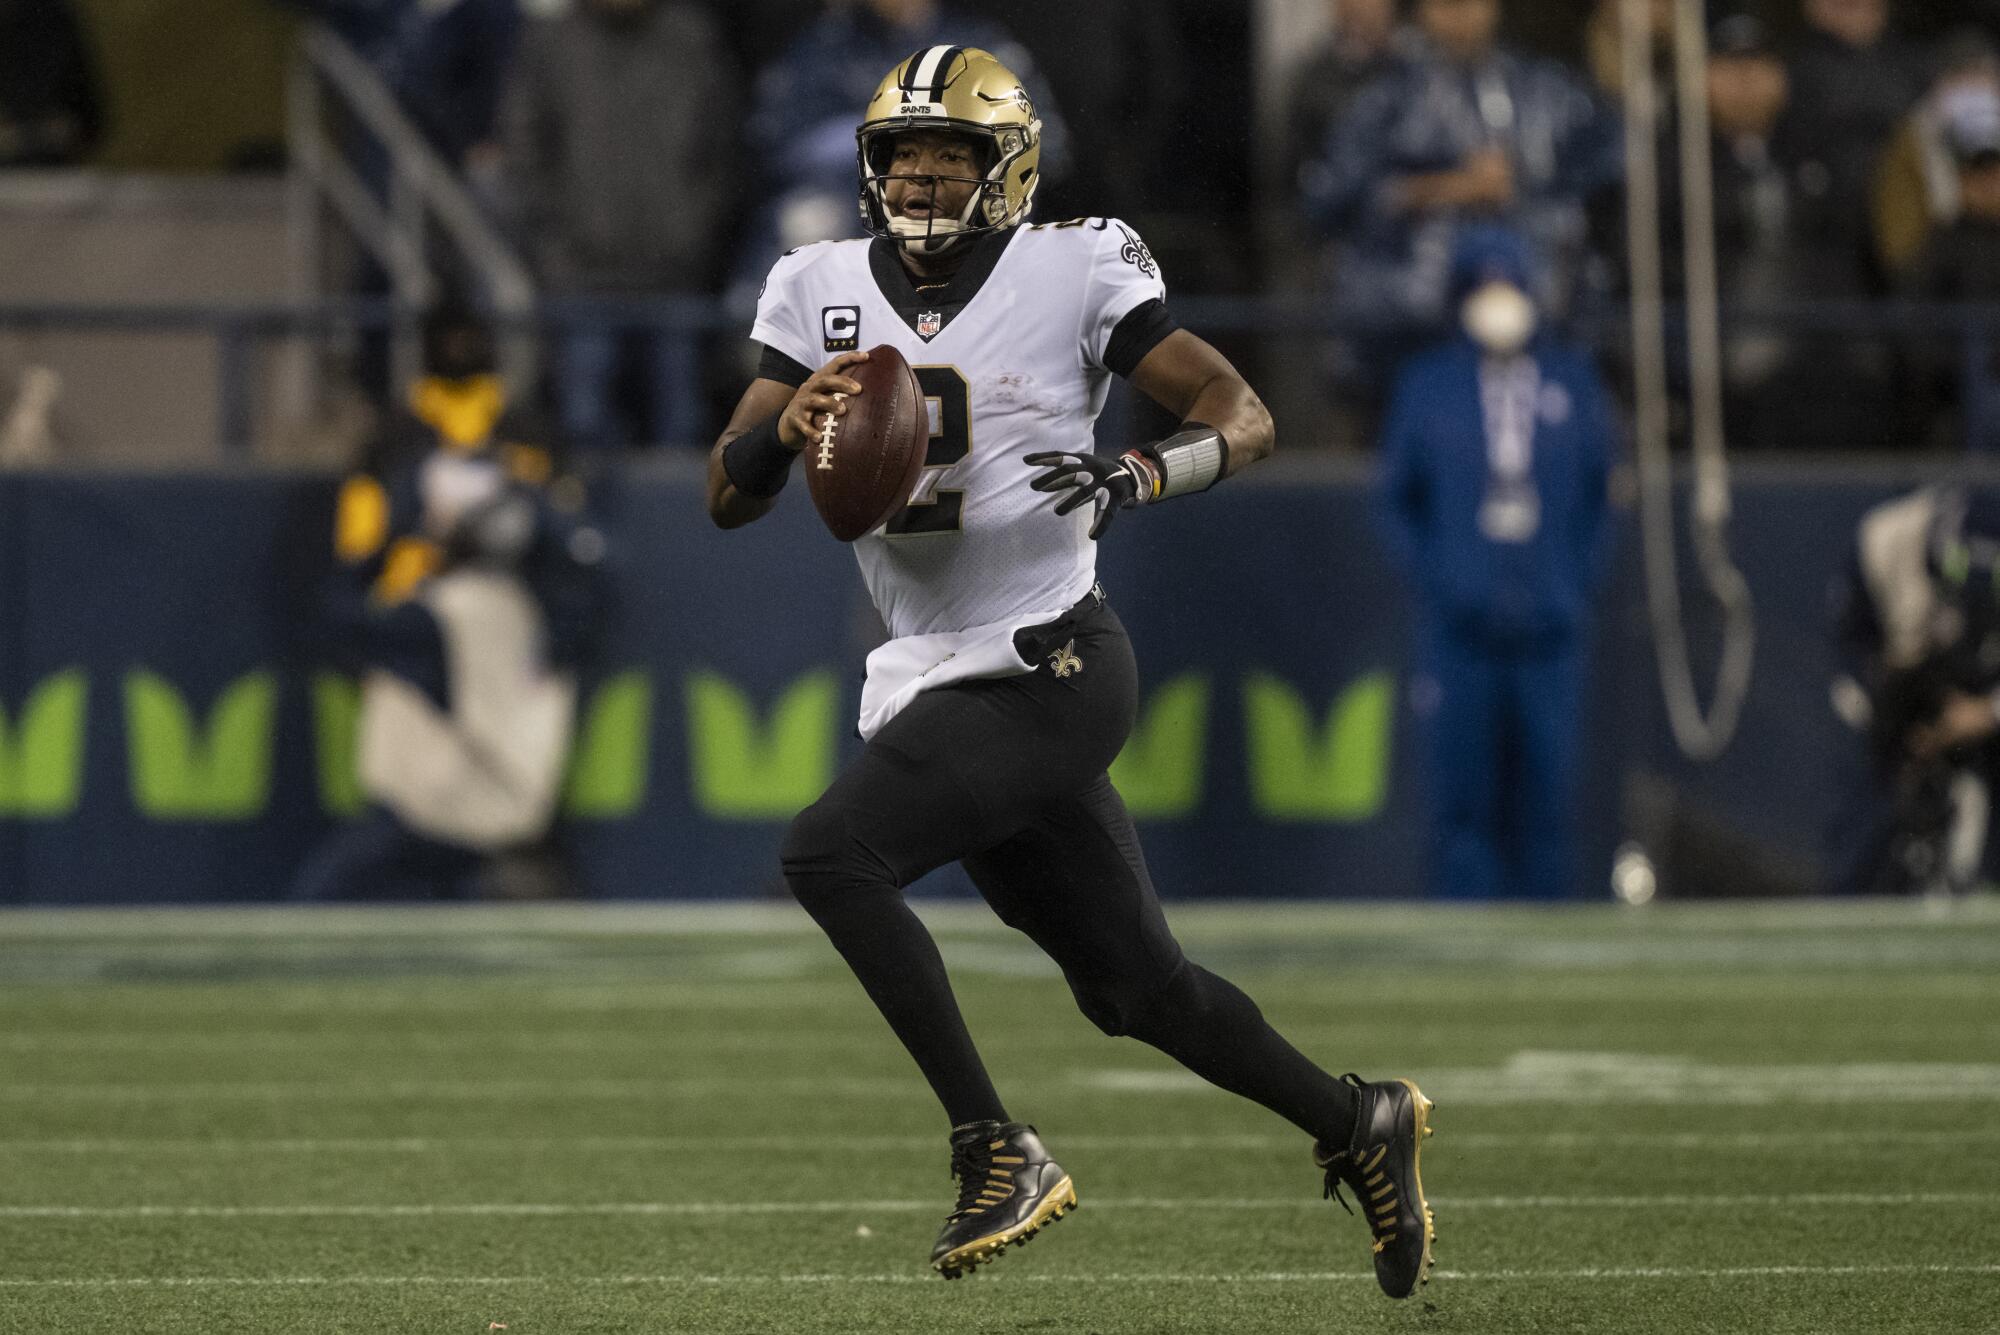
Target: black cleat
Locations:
point(1008, 1187)
point(1381, 1168)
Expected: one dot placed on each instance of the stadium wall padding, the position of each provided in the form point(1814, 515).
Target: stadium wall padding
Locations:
point(168, 732)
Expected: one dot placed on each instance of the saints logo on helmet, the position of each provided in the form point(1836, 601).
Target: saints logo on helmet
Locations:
point(960, 90)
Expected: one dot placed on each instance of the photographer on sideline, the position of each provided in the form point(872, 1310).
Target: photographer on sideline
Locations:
point(1919, 625)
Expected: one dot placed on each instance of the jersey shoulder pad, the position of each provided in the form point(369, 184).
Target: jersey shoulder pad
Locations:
point(1097, 242)
point(794, 263)
point(1123, 240)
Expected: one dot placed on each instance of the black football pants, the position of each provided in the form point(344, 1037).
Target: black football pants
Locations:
point(1008, 776)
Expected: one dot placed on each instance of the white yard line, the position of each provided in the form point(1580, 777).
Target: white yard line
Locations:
point(1644, 1082)
point(725, 1209)
point(1017, 1277)
point(1136, 1144)
point(1569, 1078)
point(1286, 919)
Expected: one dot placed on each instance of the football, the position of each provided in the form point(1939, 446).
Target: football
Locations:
point(863, 465)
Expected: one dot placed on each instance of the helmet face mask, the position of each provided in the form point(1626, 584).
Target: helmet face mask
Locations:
point(960, 91)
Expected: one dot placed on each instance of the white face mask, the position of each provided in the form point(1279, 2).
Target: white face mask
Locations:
point(1500, 318)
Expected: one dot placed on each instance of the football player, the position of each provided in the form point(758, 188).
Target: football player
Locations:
point(1007, 686)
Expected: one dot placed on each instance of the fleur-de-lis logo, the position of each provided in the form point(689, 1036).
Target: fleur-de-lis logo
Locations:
point(1065, 662)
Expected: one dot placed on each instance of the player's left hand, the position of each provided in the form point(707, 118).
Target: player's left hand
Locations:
point(1109, 484)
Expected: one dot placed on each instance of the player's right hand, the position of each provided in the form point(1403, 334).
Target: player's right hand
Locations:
point(825, 392)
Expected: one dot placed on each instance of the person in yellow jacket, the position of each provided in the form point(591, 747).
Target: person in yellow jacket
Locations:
point(467, 588)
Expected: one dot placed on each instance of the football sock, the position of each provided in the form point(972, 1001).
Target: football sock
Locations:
point(898, 964)
point(1210, 1026)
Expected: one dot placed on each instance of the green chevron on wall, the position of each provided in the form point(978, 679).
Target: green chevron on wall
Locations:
point(181, 771)
point(1303, 771)
point(41, 755)
point(747, 769)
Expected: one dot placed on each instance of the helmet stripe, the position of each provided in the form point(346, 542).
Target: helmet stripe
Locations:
point(928, 71)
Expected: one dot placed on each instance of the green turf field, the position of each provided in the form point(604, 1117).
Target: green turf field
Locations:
point(1769, 1120)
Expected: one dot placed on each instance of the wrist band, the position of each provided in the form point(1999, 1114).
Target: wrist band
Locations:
point(1145, 473)
point(757, 462)
point(1192, 459)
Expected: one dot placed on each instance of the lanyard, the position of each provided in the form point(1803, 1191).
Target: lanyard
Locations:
point(1509, 389)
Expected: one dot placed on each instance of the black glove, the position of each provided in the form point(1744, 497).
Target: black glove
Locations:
point(1110, 484)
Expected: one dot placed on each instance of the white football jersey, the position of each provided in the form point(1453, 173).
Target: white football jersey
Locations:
point(1011, 355)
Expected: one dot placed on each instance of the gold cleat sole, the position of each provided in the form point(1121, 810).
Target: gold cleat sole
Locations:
point(1425, 1131)
point(980, 1251)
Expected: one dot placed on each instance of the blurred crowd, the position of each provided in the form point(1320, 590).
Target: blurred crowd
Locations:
point(1848, 162)
point(672, 148)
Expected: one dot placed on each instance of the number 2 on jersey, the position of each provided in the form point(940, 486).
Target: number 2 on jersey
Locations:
point(934, 509)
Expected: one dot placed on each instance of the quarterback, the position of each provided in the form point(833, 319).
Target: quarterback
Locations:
point(1007, 685)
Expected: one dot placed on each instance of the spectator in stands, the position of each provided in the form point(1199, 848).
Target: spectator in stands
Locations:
point(1604, 50)
point(620, 130)
point(1362, 45)
point(1916, 182)
point(450, 71)
point(1852, 81)
point(445, 60)
point(1755, 199)
point(1463, 130)
point(802, 123)
point(1961, 263)
point(49, 110)
point(1492, 498)
point(371, 27)
point(466, 595)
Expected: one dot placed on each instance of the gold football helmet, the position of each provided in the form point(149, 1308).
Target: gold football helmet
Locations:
point(966, 91)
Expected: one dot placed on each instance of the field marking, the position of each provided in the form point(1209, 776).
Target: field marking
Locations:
point(1570, 1078)
point(1744, 1140)
point(707, 1209)
point(702, 919)
point(223, 960)
point(92, 947)
point(1016, 1277)
point(1574, 1078)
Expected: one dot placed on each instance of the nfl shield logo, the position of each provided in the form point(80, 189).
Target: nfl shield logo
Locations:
point(928, 324)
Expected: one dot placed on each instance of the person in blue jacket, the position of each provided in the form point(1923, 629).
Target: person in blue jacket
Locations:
point(1492, 499)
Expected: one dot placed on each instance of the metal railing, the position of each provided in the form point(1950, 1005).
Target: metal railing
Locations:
point(239, 329)
point(389, 217)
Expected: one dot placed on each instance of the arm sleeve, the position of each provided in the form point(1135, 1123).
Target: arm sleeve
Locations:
point(780, 325)
point(775, 365)
point(1144, 327)
point(1123, 276)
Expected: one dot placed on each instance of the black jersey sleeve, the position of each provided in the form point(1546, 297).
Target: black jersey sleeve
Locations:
point(1140, 331)
point(775, 365)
